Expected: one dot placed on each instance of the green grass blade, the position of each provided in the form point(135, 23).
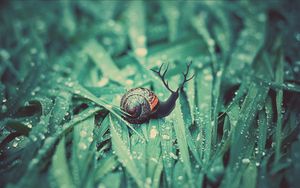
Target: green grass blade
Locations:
point(279, 76)
point(244, 135)
point(60, 169)
point(186, 113)
point(105, 166)
point(153, 150)
point(82, 149)
point(250, 176)
point(137, 29)
point(203, 113)
point(124, 155)
point(104, 62)
point(180, 132)
point(167, 134)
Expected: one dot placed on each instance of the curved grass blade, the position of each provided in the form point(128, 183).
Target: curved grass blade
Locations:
point(104, 166)
point(104, 62)
point(79, 90)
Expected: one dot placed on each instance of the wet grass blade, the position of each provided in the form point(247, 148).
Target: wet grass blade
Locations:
point(180, 132)
point(243, 131)
point(279, 76)
point(186, 113)
point(103, 61)
point(124, 155)
point(105, 166)
point(60, 169)
point(153, 151)
point(203, 113)
point(167, 134)
point(82, 150)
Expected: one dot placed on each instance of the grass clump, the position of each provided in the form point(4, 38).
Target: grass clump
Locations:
point(65, 66)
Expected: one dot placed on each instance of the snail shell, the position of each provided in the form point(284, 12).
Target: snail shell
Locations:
point(139, 104)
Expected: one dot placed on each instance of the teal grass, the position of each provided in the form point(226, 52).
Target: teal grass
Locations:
point(65, 65)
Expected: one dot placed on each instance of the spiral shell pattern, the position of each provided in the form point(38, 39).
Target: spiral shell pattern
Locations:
point(140, 103)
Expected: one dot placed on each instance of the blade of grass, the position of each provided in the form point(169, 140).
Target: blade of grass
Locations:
point(180, 132)
point(167, 134)
point(104, 166)
point(124, 155)
point(104, 62)
point(138, 152)
point(179, 178)
point(59, 168)
point(79, 90)
point(112, 180)
point(248, 44)
point(186, 113)
point(157, 174)
point(262, 130)
point(153, 149)
point(82, 149)
point(250, 176)
point(243, 139)
point(172, 13)
point(203, 113)
point(137, 29)
point(279, 76)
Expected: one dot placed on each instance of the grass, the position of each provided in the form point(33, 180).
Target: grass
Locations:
point(65, 66)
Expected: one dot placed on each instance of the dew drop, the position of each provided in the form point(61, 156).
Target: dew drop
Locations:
point(153, 132)
point(246, 161)
point(180, 178)
point(3, 108)
point(141, 52)
point(165, 137)
point(15, 144)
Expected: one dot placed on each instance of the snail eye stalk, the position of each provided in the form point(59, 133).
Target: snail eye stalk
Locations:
point(162, 76)
point(166, 107)
point(185, 79)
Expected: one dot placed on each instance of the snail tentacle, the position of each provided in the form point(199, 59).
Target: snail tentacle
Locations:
point(162, 76)
point(185, 79)
point(166, 107)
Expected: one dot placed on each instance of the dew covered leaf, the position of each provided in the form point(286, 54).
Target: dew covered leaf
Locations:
point(65, 65)
point(124, 155)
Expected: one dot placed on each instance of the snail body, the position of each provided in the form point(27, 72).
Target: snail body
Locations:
point(141, 104)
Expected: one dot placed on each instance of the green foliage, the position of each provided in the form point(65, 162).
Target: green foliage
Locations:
point(64, 66)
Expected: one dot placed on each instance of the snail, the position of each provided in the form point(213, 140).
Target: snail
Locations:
point(141, 104)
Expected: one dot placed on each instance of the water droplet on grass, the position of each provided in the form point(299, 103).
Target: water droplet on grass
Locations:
point(82, 146)
point(246, 161)
point(173, 155)
point(103, 81)
point(153, 132)
point(15, 144)
point(29, 125)
point(165, 137)
point(3, 108)
point(141, 52)
point(180, 178)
